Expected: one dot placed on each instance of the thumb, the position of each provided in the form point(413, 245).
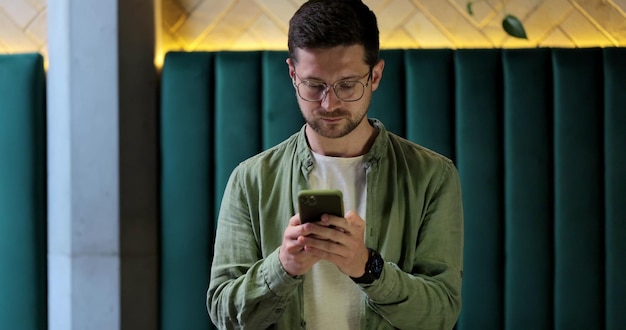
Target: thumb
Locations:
point(353, 217)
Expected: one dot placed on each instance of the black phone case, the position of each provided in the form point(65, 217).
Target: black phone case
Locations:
point(313, 203)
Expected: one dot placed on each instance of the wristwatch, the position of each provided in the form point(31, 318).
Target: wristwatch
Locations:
point(373, 268)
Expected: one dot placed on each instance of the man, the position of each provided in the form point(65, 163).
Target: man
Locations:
point(395, 259)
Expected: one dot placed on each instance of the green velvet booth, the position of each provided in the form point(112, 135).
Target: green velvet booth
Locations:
point(22, 193)
point(538, 135)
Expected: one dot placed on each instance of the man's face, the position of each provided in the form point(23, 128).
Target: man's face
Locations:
point(344, 68)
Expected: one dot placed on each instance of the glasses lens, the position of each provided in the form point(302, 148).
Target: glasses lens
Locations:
point(349, 90)
point(311, 91)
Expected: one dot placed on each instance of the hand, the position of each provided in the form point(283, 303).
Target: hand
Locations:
point(292, 254)
point(339, 241)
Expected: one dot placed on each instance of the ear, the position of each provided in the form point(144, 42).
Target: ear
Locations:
point(377, 74)
point(292, 69)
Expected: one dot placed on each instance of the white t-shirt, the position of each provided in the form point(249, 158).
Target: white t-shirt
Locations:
point(331, 299)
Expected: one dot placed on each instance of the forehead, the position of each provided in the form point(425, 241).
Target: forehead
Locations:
point(339, 60)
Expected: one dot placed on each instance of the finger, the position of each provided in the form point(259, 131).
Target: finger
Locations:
point(340, 255)
point(322, 254)
point(295, 228)
point(352, 225)
point(354, 219)
point(333, 221)
point(325, 233)
point(292, 247)
point(324, 245)
point(295, 220)
point(298, 263)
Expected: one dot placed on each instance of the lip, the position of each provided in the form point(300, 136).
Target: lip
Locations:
point(331, 119)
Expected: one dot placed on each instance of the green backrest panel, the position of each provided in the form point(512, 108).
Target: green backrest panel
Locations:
point(615, 184)
point(237, 92)
point(538, 136)
point(23, 257)
point(528, 190)
point(281, 114)
point(578, 189)
point(429, 80)
point(388, 101)
point(479, 159)
point(187, 187)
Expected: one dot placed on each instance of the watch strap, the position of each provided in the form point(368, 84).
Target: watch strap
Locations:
point(373, 268)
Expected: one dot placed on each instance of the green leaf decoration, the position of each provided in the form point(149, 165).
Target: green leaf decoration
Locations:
point(514, 27)
point(469, 8)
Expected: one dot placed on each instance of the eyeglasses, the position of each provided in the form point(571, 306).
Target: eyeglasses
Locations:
point(346, 90)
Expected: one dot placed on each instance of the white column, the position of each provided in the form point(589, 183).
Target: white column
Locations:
point(101, 192)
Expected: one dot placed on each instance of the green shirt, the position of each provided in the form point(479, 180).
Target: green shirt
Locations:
point(414, 220)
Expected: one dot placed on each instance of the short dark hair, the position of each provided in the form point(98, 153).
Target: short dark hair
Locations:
point(331, 23)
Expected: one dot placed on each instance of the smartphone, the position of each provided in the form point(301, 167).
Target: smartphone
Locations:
point(313, 203)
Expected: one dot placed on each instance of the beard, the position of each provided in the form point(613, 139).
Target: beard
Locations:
point(335, 130)
point(314, 118)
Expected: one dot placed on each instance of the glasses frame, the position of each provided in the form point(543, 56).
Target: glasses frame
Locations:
point(327, 87)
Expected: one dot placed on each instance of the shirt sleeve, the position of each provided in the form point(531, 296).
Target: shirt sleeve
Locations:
point(246, 289)
point(429, 296)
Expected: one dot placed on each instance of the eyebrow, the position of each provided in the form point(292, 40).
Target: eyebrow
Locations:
point(351, 78)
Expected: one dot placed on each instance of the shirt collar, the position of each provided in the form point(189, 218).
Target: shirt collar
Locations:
point(305, 155)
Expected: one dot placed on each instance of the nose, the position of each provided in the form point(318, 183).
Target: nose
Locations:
point(330, 101)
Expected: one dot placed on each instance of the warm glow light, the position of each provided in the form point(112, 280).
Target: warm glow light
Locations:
point(403, 24)
point(159, 55)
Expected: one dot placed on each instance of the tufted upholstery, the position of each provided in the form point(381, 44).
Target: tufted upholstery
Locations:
point(22, 192)
point(538, 136)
